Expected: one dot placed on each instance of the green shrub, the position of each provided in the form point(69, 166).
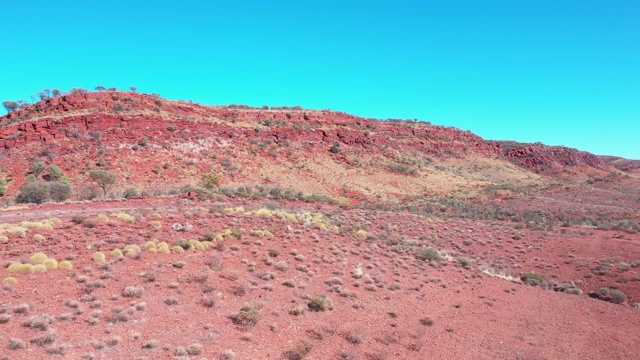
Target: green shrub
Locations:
point(532, 278)
point(3, 186)
point(403, 169)
point(54, 172)
point(37, 168)
point(39, 192)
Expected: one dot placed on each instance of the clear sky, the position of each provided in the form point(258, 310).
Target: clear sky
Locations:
point(562, 72)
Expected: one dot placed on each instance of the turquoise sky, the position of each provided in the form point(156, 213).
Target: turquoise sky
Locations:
point(560, 72)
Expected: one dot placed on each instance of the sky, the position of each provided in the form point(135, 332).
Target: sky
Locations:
point(560, 72)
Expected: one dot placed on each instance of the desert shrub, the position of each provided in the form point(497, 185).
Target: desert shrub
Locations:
point(39, 268)
point(39, 322)
point(33, 192)
point(16, 344)
point(274, 252)
point(618, 297)
point(39, 192)
point(131, 193)
point(45, 339)
point(403, 169)
point(532, 278)
point(429, 254)
point(426, 321)
point(59, 191)
point(151, 344)
point(195, 349)
point(3, 186)
point(132, 292)
point(335, 149)
point(299, 352)
point(248, 315)
point(210, 181)
point(320, 303)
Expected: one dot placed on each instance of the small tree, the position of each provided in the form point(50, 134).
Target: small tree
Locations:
point(100, 88)
point(10, 106)
point(56, 93)
point(59, 191)
point(54, 173)
point(105, 179)
point(133, 89)
point(37, 168)
point(35, 192)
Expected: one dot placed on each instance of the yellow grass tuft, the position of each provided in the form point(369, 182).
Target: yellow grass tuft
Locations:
point(38, 238)
point(13, 230)
point(156, 224)
point(51, 264)
point(177, 249)
point(163, 248)
point(155, 216)
point(361, 234)
point(14, 267)
point(98, 257)
point(10, 281)
point(26, 269)
point(53, 221)
point(39, 268)
point(38, 258)
point(37, 225)
point(102, 218)
point(117, 253)
point(65, 265)
point(132, 250)
point(3, 239)
point(124, 217)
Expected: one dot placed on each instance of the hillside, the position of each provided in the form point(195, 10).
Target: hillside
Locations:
point(284, 233)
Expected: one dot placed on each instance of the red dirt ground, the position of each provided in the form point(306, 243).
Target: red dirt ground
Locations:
point(400, 308)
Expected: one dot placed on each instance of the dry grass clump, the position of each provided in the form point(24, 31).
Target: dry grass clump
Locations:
point(39, 268)
point(156, 225)
point(102, 218)
point(194, 349)
point(4, 318)
point(65, 265)
point(151, 344)
point(98, 257)
point(16, 344)
point(177, 249)
point(133, 291)
point(9, 281)
point(3, 239)
point(39, 322)
point(320, 303)
point(228, 355)
point(22, 309)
